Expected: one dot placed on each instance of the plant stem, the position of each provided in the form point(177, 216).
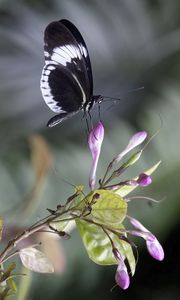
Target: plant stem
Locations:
point(116, 231)
point(26, 233)
point(13, 243)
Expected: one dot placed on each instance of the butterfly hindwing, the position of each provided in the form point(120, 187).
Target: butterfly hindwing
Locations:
point(59, 118)
point(60, 90)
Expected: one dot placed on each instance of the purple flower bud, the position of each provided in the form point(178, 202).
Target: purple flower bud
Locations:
point(136, 140)
point(144, 180)
point(95, 141)
point(122, 277)
point(137, 224)
point(154, 247)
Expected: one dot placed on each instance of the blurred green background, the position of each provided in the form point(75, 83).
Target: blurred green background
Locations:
point(132, 43)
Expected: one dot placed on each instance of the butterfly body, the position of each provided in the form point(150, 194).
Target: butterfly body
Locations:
point(66, 81)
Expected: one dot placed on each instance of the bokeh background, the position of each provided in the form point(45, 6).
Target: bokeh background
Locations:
point(132, 43)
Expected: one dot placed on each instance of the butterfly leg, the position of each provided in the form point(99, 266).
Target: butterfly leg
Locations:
point(90, 119)
point(99, 111)
point(87, 124)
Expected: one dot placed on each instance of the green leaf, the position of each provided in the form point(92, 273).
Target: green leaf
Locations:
point(133, 159)
point(128, 252)
point(66, 226)
point(108, 212)
point(109, 208)
point(126, 189)
point(98, 245)
point(78, 200)
point(59, 225)
point(7, 273)
point(96, 242)
point(12, 285)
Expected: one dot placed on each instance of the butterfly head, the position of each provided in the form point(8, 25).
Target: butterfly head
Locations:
point(90, 104)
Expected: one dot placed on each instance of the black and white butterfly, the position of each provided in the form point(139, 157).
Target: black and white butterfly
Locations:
point(66, 81)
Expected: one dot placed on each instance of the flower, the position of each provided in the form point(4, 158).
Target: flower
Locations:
point(137, 139)
point(153, 246)
point(144, 180)
point(108, 207)
point(121, 276)
point(95, 140)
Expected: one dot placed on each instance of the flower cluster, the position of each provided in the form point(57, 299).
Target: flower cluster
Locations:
point(99, 216)
point(123, 188)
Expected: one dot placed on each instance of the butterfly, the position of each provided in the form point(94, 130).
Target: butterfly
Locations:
point(66, 80)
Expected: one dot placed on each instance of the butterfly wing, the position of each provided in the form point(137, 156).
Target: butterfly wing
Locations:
point(84, 51)
point(65, 83)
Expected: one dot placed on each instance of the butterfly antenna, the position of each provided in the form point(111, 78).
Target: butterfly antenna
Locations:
point(136, 89)
point(119, 99)
point(110, 99)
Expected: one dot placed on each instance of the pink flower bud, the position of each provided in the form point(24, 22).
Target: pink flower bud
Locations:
point(95, 139)
point(155, 249)
point(122, 277)
point(137, 139)
point(137, 224)
point(144, 180)
point(153, 246)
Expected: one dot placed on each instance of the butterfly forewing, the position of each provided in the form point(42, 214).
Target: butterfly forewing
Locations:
point(83, 48)
point(66, 81)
